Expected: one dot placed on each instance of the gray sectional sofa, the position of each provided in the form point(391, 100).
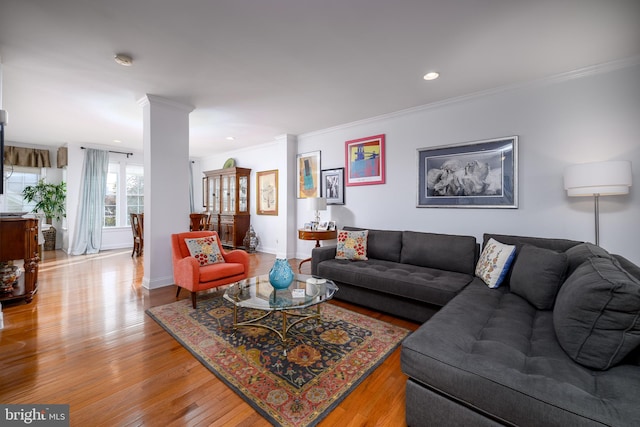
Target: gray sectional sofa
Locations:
point(557, 344)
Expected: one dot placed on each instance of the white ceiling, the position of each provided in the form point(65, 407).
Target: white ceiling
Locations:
point(261, 68)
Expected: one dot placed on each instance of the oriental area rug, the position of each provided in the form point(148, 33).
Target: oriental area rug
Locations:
point(323, 362)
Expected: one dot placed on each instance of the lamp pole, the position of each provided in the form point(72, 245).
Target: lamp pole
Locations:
point(596, 208)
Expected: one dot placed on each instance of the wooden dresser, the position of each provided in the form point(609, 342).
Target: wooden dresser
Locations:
point(19, 240)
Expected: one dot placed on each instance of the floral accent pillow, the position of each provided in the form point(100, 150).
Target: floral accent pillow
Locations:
point(352, 245)
point(205, 250)
point(494, 262)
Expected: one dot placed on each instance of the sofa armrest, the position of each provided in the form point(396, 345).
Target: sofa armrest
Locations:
point(320, 254)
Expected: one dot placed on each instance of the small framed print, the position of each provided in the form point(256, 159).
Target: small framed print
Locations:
point(323, 226)
point(308, 168)
point(365, 161)
point(333, 186)
point(331, 226)
point(267, 195)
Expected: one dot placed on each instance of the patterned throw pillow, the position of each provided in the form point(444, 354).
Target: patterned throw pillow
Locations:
point(352, 245)
point(494, 262)
point(205, 250)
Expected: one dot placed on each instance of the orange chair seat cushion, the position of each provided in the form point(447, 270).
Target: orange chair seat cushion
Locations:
point(219, 271)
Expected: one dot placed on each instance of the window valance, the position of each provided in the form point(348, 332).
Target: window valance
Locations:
point(31, 157)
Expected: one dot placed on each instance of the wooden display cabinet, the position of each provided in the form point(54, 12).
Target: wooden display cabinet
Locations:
point(19, 240)
point(227, 199)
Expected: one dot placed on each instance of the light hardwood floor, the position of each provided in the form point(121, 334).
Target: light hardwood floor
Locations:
point(86, 341)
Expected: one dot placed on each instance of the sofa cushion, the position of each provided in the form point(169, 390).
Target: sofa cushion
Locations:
point(558, 245)
point(537, 275)
point(352, 245)
point(423, 284)
point(442, 251)
point(582, 252)
point(382, 244)
point(494, 263)
point(491, 349)
point(205, 250)
point(597, 314)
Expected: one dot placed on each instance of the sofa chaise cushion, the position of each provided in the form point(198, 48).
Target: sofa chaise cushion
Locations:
point(490, 349)
point(538, 274)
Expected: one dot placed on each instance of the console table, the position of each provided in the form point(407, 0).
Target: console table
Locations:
point(316, 235)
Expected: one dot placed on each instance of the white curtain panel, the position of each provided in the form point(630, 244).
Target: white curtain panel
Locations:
point(88, 233)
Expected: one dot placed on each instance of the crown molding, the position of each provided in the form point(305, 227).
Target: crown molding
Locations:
point(538, 83)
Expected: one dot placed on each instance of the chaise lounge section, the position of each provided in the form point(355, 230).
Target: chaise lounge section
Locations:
point(491, 357)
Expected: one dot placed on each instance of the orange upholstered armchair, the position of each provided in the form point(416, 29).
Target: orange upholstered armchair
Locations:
point(188, 273)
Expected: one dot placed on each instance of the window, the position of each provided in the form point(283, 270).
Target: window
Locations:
point(135, 190)
point(123, 196)
point(21, 177)
point(111, 196)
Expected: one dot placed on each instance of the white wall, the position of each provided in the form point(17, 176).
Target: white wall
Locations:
point(588, 116)
point(274, 232)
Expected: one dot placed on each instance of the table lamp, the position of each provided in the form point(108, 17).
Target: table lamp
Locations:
point(598, 179)
point(318, 204)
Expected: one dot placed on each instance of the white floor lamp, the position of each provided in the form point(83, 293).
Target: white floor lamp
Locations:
point(598, 179)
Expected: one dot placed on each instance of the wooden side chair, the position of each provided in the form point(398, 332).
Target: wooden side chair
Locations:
point(206, 221)
point(209, 266)
point(136, 229)
point(195, 221)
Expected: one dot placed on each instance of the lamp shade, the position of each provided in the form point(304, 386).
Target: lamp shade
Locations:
point(317, 204)
point(601, 178)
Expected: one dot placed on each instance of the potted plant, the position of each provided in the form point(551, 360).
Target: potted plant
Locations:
point(51, 201)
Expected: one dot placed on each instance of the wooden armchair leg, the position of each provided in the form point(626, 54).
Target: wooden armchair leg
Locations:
point(178, 292)
point(193, 299)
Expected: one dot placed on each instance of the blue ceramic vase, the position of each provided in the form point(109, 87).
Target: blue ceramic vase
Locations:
point(281, 274)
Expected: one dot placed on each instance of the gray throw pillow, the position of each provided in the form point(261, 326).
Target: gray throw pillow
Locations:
point(582, 252)
point(597, 314)
point(537, 275)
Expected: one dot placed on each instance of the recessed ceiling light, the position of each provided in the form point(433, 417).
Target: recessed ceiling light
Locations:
point(123, 59)
point(230, 138)
point(117, 141)
point(431, 76)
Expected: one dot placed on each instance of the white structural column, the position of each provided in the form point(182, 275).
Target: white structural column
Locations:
point(166, 184)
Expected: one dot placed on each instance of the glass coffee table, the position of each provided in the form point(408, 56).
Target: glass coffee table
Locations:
point(257, 293)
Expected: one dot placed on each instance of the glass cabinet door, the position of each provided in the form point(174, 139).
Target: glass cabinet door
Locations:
point(216, 200)
point(232, 194)
point(214, 195)
point(243, 194)
point(226, 196)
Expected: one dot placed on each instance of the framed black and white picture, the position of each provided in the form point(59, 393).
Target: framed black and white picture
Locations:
point(333, 186)
point(479, 174)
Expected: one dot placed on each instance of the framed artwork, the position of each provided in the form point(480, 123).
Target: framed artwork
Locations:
point(308, 168)
point(332, 226)
point(365, 161)
point(479, 174)
point(267, 194)
point(333, 186)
